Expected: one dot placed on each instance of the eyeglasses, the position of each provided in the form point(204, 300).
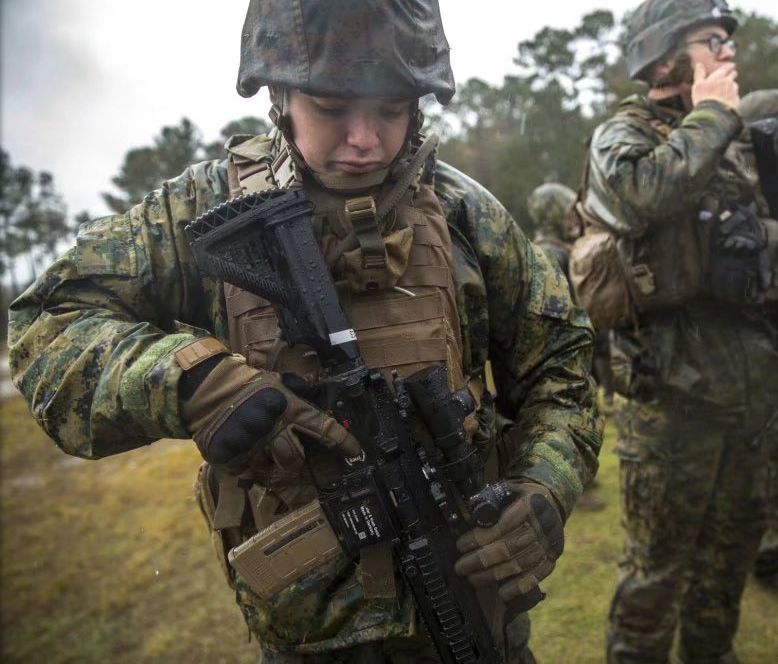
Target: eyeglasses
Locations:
point(716, 43)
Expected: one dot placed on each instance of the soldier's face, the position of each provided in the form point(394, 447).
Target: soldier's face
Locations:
point(702, 44)
point(347, 136)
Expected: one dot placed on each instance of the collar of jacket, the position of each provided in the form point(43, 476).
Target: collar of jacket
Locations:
point(670, 110)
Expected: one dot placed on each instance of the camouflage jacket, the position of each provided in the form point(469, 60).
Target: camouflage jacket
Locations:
point(650, 164)
point(556, 249)
point(92, 341)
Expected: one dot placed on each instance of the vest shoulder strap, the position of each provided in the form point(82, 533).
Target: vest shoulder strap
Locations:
point(253, 168)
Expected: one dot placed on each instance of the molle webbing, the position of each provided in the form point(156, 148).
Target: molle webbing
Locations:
point(400, 227)
point(198, 351)
point(410, 231)
point(361, 214)
point(249, 164)
point(251, 167)
point(427, 275)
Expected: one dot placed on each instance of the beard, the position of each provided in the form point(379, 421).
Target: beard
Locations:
point(681, 72)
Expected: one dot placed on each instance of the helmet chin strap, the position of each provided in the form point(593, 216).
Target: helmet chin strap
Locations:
point(344, 182)
point(279, 116)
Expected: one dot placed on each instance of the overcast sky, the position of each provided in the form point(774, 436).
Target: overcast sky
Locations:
point(85, 80)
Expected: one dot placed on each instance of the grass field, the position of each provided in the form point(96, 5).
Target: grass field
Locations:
point(109, 562)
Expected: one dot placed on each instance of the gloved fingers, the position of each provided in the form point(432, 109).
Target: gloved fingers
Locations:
point(518, 580)
point(286, 450)
point(344, 442)
point(525, 582)
point(542, 570)
point(297, 384)
point(482, 558)
point(547, 523)
point(514, 518)
point(524, 548)
point(742, 244)
point(527, 544)
point(278, 450)
point(323, 428)
point(498, 573)
point(734, 243)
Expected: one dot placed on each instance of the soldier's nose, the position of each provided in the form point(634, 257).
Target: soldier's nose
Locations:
point(362, 132)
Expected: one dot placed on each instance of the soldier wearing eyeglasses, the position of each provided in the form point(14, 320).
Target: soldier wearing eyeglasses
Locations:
point(693, 354)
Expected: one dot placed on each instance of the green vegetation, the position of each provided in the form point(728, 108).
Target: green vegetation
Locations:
point(173, 149)
point(109, 561)
point(534, 126)
point(33, 221)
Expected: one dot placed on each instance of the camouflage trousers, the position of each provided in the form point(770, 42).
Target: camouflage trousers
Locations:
point(410, 650)
point(693, 508)
point(767, 561)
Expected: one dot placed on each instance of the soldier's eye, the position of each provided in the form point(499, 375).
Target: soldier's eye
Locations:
point(329, 110)
point(390, 113)
point(715, 44)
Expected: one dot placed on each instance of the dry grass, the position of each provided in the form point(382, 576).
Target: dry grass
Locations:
point(110, 561)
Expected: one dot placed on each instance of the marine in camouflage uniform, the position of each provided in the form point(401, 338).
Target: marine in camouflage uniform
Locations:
point(96, 344)
point(699, 377)
point(548, 206)
point(756, 106)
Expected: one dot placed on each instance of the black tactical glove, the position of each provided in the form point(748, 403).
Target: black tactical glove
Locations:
point(521, 549)
point(739, 270)
point(236, 414)
point(741, 232)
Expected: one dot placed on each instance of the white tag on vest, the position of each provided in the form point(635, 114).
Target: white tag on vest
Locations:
point(342, 337)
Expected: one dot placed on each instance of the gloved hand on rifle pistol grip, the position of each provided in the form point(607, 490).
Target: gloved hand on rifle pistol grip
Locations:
point(521, 549)
point(235, 413)
point(741, 232)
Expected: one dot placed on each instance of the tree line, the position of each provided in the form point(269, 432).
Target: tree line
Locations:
point(534, 127)
point(531, 128)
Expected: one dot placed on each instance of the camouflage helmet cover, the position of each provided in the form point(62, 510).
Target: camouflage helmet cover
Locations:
point(656, 26)
point(548, 205)
point(759, 104)
point(346, 48)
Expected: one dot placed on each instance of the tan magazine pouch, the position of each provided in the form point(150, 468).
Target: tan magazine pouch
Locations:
point(280, 554)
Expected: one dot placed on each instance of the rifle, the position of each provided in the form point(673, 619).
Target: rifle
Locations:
point(764, 136)
point(399, 490)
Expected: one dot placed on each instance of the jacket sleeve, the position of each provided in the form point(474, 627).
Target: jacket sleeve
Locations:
point(91, 342)
point(643, 181)
point(540, 347)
